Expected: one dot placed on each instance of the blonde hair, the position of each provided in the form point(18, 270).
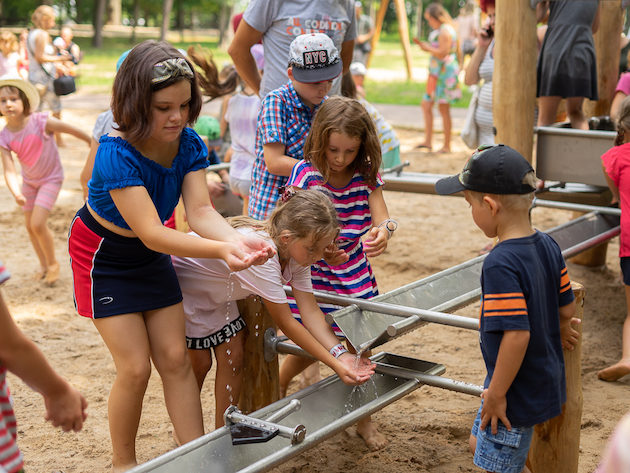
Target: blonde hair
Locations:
point(42, 12)
point(213, 83)
point(623, 122)
point(8, 42)
point(438, 12)
point(305, 214)
point(349, 117)
point(513, 201)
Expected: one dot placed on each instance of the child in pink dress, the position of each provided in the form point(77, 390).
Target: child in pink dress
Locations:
point(616, 163)
point(30, 136)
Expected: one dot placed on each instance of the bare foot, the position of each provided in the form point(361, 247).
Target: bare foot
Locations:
point(614, 372)
point(367, 430)
point(39, 275)
point(444, 150)
point(426, 146)
point(52, 274)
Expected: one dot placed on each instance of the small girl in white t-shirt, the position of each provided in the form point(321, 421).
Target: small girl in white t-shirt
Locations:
point(300, 229)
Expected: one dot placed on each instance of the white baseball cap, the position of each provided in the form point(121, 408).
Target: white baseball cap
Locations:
point(314, 58)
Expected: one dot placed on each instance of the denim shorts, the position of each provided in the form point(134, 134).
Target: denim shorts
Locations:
point(505, 452)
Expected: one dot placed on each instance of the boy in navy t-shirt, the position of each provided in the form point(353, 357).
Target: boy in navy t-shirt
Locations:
point(526, 313)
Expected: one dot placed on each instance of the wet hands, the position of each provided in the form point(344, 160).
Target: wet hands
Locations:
point(494, 409)
point(358, 369)
point(247, 251)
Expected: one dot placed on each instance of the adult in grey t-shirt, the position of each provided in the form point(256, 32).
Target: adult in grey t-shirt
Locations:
point(278, 22)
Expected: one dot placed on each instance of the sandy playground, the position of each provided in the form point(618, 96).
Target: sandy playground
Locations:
point(427, 430)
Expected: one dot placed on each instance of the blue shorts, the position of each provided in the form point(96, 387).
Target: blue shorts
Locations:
point(113, 274)
point(505, 452)
point(624, 262)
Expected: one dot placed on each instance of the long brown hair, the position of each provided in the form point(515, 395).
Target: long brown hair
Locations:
point(306, 214)
point(347, 116)
point(133, 90)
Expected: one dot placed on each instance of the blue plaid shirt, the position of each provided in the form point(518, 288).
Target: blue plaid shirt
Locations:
point(283, 118)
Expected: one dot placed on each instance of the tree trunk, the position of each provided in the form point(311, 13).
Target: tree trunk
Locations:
point(114, 9)
point(514, 79)
point(136, 16)
point(224, 25)
point(607, 46)
point(99, 19)
point(167, 6)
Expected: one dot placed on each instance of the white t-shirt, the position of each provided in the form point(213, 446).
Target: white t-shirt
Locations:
point(210, 289)
point(242, 115)
point(281, 21)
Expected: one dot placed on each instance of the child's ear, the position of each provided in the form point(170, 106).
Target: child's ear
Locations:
point(290, 72)
point(492, 203)
point(285, 237)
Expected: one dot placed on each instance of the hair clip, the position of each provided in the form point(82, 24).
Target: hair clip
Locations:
point(286, 192)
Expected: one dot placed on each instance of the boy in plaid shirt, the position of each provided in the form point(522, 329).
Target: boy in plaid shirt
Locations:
point(286, 115)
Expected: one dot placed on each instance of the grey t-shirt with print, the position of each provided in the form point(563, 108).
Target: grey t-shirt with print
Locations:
point(281, 21)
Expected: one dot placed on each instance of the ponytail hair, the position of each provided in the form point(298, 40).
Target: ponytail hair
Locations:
point(305, 214)
point(623, 123)
point(212, 86)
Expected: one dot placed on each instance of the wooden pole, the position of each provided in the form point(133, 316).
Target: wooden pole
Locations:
point(261, 380)
point(607, 49)
point(403, 32)
point(556, 443)
point(514, 77)
point(378, 27)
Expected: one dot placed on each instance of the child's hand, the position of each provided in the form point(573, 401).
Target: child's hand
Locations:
point(568, 334)
point(216, 189)
point(20, 200)
point(376, 241)
point(493, 410)
point(335, 256)
point(66, 409)
point(261, 247)
point(355, 373)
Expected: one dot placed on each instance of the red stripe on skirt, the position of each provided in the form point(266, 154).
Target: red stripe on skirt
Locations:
point(83, 245)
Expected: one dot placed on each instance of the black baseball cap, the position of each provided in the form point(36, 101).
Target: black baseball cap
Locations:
point(496, 169)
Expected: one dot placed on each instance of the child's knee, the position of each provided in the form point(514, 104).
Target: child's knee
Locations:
point(172, 360)
point(136, 374)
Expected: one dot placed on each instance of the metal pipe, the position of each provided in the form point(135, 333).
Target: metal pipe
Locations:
point(591, 242)
point(294, 405)
point(218, 167)
point(397, 169)
point(395, 309)
point(576, 207)
point(430, 379)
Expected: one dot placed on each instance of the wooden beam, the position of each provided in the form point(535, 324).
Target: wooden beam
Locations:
point(514, 77)
point(403, 31)
point(378, 27)
point(607, 49)
point(556, 443)
point(261, 380)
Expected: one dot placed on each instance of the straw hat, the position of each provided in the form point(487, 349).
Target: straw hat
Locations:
point(32, 95)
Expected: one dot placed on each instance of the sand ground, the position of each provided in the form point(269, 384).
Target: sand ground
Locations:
point(427, 430)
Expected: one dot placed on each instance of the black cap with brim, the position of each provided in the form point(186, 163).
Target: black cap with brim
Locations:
point(449, 185)
point(316, 74)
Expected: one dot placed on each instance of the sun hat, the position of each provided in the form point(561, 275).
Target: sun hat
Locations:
point(314, 58)
point(32, 95)
point(496, 169)
point(209, 127)
point(358, 69)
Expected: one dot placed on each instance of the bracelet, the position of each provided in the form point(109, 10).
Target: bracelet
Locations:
point(338, 350)
point(390, 225)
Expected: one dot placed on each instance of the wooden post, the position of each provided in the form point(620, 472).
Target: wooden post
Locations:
point(378, 27)
point(607, 48)
point(261, 381)
point(514, 77)
point(403, 32)
point(556, 443)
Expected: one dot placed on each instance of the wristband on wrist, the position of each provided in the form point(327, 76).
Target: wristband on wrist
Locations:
point(338, 350)
point(390, 225)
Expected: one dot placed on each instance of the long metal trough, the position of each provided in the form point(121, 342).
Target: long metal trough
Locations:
point(455, 287)
point(327, 407)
